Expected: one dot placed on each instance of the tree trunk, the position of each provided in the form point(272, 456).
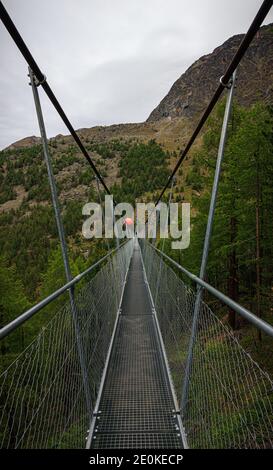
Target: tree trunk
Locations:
point(3, 348)
point(233, 270)
point(258, 250)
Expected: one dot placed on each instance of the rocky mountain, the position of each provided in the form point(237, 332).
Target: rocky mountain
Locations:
point(191, 93)
point(25, 142)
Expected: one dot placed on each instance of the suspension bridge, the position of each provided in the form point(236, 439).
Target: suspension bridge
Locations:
point(135, 358)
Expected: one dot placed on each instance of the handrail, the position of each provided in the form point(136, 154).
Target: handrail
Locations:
point(251, 317)
point(14, 324)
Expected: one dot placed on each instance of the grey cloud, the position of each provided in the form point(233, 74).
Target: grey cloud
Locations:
point(108, 61)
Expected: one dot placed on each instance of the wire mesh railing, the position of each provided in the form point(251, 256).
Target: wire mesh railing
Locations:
point(230, 400)
point(42, 396)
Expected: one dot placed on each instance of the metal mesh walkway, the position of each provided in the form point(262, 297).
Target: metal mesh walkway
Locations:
point(137, 407)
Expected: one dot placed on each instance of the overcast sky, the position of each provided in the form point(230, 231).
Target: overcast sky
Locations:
point(108, 61)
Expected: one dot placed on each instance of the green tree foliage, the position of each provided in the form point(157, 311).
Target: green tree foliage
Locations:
point(72, 217)
point(240, 260)
point(13, 302)
point(27, 243)
point(54, 277)
point(143, 169)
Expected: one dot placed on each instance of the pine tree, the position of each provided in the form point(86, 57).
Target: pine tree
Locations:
point(240, 258)
point(13, 302)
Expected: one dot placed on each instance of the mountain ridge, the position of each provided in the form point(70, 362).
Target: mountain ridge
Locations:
point(192, 91)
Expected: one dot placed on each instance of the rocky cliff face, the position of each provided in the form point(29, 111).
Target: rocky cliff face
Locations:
point(191, 93)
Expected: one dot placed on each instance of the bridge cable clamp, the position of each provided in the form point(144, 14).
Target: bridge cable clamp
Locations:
point(226, 85)
point(38, 82)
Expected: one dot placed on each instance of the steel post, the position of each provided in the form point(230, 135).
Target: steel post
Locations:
point(161, 260)
point(34, 84)
point(103, 217)
point(107, 241)
point(207, 240)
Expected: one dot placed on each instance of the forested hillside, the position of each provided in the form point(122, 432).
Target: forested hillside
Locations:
point(240, 261)
point(135, 160)
point(31, 264)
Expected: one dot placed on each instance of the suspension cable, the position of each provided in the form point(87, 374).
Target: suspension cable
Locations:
point(224, 80)
point(41, 79)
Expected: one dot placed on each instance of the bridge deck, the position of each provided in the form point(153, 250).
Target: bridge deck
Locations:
point(136, 406)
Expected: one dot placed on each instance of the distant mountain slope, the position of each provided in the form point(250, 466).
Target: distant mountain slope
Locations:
point(191, 93)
